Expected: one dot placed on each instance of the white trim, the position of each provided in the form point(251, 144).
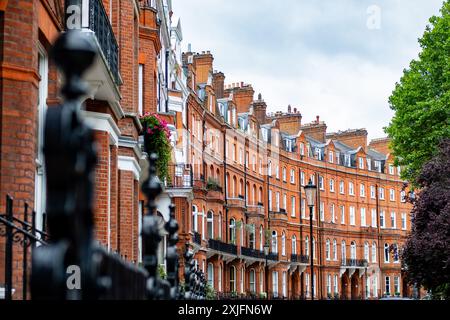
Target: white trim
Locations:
point(125, 163)
point(103, 122)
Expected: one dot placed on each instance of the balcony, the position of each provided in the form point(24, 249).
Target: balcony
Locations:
point(359, 263)
point(280, 215)
point(299, 258)
point(273, 256)
point(226, 250)
point(252, 253)
point(197, 238)
point(236, 202)
point(199, 182)
point(180, 176)
point(104, 77)
point(255, 210)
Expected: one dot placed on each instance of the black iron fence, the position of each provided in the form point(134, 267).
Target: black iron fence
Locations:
point(273, 256)
point(299, 258)
point(354, 262)
point(24, 233)
point(223, 247)
point(250, 252)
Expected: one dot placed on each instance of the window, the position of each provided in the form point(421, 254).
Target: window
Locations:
point(395, 253)
point(210, 222)
point(274, 242)
point(234, 152)
point(331, 185)
point(211, 275)
point(318, 152)
point(338, 158)
point(387, 283)
point(307, 286)
point(312, 178)
point(327, 250)
point(284, 174)
point(375, 286)
point(382, 222)
point(261, 238)
point(277, 201)
point(307, 246)
point(353, 250)
point(333, 215)
point(294, 244)
point(403, 196)
point(302, 178)
point(220, 278)
point(284, 287)
point(252, 281)
point(260, 166)
point(342, 214)
point(391, 169)
point(275, 283)
point(374, 251)
point(347, 160)
point(322, 211)
point(314, 285)
point(361, 163)
point(330, 157)
point(362, 190)
point(386, 252)
point(232, 228)
point(277, 172)
point(378, 165)
point(372, 192)
point(283, 244)
point(242, 280)
point(393, 220)
point(232, 279)
point(363, 217)
point(292, 176)
point(336, 289)
point(219, 227)
point(392, 194)
point(141, 89)
point(341, 187)
point(367, 287)
point(403, 221)
point(251, 236)
point(314, 248)
point(374, 218)
point(321, 183)
point(303, 204)
point(351, 189)
point(302, 149)
point(396, 285)
point(194, 218)
point(285, 201)
point(369, 164)
point(270, 200)
point(381, 191)
point(352, 216)
point(292, 206)
point(329, 284)
point(334, 250)
point(366, 251)
point(269, 168)
point(343, 251)
point(261, 283)
point(254, 162)
point(289, 145)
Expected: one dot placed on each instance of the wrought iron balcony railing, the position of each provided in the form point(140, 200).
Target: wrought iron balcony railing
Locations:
point(180, 176)
point(354, 263)
point(253, 253)
point(222, 246)
point(299, 258)
point(99, 23)
point(273, 256)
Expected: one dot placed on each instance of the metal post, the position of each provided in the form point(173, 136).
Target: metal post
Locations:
point(311, 257)
point(25, 256)
point(8, 249)
point(266, 273)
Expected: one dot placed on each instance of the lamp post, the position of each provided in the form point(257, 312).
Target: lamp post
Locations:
point(311, 192)
point(266, 271)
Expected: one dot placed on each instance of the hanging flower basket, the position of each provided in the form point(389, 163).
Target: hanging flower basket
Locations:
point(156, 140)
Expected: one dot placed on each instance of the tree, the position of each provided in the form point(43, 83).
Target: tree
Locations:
point(421, 100)
point(427, 251)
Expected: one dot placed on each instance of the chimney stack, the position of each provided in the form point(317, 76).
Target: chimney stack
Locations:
point(317, 119)
point(289, 109)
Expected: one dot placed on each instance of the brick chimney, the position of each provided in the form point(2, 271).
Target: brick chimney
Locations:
point(204, 66)
point(353, 137)
point(316, 129)
point(218, 84)
point(259, 109)
point(242, 96)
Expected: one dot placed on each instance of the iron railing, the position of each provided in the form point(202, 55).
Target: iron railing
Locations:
point(197, 238)
point(100, 24)
point(354, 263)
point(253, 253)
point(273, 256)
point(222, 246)
point(180, 176)
point(299, 258)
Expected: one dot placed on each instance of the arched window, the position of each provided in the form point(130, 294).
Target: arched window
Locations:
point(314, 247)
point(307, 246)
point(218, 174)
point(194, 218)
point(334, 250)
point(211, 172)
point(242, 280)
point(274, 242)
point(242, 232)
point(294, 244)
point(219, 278)
point(284, 173)
point(210, 222)
point(343, 252)
point(269, 168)
point(232, 279)
point(252, 280)
point(328, 249)
point(254, 195)
point(228, 185)
point(386, 252)
point(211, 274)
point(283, 244)
point(366, 251)
point(260, 195)
point(353, 250)
point(374, 252)
point(261, 238)
point(232, 231)
point(395, 252)
point(234, 190)
point(241, 187)
point(219, 227)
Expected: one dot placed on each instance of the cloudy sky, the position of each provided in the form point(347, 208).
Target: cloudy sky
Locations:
point(339, 59)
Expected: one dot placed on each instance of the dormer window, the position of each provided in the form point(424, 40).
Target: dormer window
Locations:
point(302, 149)
point(369, 164)
point(289, 145)
point(318, 154)
point(361, 162)
point(338, 158)
point(378, 166)
point(347, 160)
point(330, 157)
point(265, 134)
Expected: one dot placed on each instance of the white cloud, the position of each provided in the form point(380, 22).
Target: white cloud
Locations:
point(318, 56)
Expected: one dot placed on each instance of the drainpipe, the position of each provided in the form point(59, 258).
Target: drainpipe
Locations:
point(319, 239)
point(167, 80)
point(301, 225)
point(379, 238)
point(225, 183)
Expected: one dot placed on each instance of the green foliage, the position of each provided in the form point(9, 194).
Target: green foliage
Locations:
point(162, 272)
point(421, 100)
point(213, 185)
point(210, 293)
point(156, 139)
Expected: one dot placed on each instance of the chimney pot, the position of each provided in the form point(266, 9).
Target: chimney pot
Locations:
point(317, 119)
point(289, 108)
point(242, 84)
point(295, 110)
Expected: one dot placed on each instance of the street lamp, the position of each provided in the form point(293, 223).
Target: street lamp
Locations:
point(266, 271)
point(311, 192)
